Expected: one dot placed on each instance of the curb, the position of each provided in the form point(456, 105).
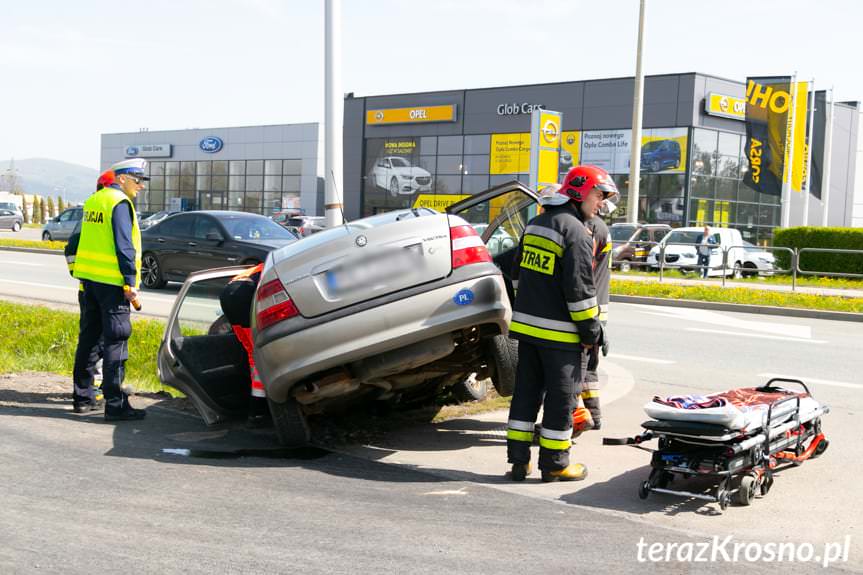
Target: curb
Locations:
point(740, 307)
point(31, 250)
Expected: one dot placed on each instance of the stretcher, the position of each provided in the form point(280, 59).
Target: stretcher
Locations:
point(737, 438)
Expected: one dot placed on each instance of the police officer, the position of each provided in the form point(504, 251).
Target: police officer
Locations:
point(602, 278)
point(555, 317)
point(108, 263)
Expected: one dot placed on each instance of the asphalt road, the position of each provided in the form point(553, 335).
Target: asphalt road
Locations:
point(82, 496)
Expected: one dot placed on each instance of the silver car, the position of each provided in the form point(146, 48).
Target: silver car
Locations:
point(62, 226)
point(395, 307)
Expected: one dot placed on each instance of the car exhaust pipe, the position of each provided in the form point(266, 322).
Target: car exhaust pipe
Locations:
point(331, 385)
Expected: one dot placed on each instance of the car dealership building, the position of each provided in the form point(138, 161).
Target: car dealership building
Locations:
point(433, 148)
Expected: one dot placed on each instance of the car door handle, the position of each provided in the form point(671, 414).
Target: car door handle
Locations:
point(193, 244)
point(160, 240)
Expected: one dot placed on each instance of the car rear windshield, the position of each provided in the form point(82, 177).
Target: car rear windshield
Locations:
point(246, 228)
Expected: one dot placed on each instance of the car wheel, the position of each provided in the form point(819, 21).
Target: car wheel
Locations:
point(151, 272)
point(625, 266)
point(46, 237)
point(16, 227)
point(737, 272)
point(290, 422)
point(750, 269)
point(503, 353)
point(655, 166)
point(394, 187)
point(470, 389)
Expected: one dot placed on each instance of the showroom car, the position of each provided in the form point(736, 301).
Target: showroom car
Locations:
point(192, 241)
point(397, 175)
point(660, 155)
point(396, 308)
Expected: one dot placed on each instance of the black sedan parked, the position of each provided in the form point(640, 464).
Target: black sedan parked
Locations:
point(192, 241)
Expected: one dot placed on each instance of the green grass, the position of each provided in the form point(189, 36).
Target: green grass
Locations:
point(34, 226)
point(782, 279)
point(36, 338)
point(52, 245)
point(737, 295)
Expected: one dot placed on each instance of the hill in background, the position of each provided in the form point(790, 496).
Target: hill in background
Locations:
point(47, 177)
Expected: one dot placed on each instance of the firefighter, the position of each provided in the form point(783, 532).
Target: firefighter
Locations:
point(108, 262)
point(555, 317)
point(236, 301)
point(602, 277)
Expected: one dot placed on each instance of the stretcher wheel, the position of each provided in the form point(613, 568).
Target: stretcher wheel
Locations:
point(724, 499)
point(644, 490)
point(821, 447)
point(746, 492)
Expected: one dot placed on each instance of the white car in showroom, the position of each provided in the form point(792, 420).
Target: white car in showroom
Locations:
point(398, 176)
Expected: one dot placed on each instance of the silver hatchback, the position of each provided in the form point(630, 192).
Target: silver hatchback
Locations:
point(394, 307)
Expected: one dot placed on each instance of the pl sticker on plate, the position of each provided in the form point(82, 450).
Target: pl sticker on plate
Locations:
point(463, 297)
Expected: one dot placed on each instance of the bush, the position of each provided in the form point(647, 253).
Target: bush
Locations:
point(828, 238)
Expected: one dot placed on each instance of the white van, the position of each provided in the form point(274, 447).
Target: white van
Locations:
point(681, 250)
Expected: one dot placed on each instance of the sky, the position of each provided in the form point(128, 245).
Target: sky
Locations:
point(74, 70)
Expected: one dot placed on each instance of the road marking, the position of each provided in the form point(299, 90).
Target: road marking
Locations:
point(756, 335)
point(643, 359)
point(771, 327)
point(814, 380)
point(14, 263)
point(34, 284)
point(622, 379)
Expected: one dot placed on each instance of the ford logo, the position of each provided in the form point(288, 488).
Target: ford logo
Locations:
point(211, 145)
point(132, 151)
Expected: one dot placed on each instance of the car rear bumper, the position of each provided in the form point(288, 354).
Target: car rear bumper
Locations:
point(285, 361)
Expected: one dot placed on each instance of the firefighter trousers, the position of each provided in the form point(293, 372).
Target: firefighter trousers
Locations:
point(556, 375)
point(105, 314)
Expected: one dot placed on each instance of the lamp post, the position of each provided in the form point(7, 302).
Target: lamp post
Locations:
point(635, 145)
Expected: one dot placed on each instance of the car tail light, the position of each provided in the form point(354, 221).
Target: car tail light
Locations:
point(273, 304)
point(467, 247)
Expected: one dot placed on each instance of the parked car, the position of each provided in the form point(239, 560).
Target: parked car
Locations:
point(304, 226)
point(757, 260)
point(187, 242)
point(681, 251)
point(396, 307)
point(62, 226)
point(498, 242)
point(632, 242)
point(659, 155)
point(11, 220)
point(154, 219)
point(397, 175)
point(281, 216)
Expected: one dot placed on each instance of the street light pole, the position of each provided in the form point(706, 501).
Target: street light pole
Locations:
point(635, 145)
point(333, 112)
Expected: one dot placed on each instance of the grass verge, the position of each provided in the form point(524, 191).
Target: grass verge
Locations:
point(737, 295)
point(780, 279)
point(36, 338)
point(52, 245)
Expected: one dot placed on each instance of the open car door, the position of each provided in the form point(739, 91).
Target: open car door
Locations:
point(200, 355)
point(500, 215)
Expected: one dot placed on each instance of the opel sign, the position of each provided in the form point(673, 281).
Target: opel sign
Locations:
point(211, 145)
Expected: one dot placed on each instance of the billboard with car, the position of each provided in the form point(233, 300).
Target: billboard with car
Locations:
point(394, 176)
point(663, 150)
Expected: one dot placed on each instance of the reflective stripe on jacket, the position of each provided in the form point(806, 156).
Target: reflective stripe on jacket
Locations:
point(96, 259)
point(556, 304)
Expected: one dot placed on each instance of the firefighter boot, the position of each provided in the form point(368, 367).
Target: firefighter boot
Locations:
point(519, 471)
point(572, 472)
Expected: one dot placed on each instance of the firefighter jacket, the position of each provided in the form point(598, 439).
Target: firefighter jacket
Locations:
point(601, 263)
point(555, 303)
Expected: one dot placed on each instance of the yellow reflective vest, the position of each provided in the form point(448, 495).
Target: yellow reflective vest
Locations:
point(96, 259)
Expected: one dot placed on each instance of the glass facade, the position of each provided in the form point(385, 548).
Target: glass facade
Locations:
point(258, 186)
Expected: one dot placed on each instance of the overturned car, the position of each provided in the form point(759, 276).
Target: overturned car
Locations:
point(396, 307)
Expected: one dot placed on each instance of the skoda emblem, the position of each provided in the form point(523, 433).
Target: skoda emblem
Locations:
point(362, 241)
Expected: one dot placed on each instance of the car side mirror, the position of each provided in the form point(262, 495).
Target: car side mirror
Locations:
point(55, 219)
point(215, 237)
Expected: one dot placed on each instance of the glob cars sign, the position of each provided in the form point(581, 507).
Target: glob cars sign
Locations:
point(515, 108)
point(211, 145)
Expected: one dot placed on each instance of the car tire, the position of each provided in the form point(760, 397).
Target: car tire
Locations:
point(737, 271)
point(625, 266)
point(292, 428)
point(503, 353)
point(750, 270)
point(655, 166)
point(151, 272)
point(16, 227)
point(394, 187)
point(470, 389)
point(46, 237)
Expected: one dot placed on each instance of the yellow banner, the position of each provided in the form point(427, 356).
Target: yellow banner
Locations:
point(725, 106)
point(416, 115)
point(510, 154)
point(570, 150)
point(438, 202)
point(801, 116)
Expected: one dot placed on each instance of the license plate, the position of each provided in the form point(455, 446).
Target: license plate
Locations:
point(375, 270)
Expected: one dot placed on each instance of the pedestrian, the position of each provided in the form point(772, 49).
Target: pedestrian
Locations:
point(704, 242)
point(236, 301)
point(108, 263)
point(555, 318)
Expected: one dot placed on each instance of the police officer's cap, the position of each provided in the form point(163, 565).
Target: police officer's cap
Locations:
point(135, 167)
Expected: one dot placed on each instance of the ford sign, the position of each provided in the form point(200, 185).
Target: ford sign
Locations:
point(132, 151)
point(211, 145)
